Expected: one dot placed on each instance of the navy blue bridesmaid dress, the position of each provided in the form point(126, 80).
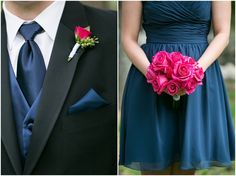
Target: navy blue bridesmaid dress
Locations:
point(199, 133)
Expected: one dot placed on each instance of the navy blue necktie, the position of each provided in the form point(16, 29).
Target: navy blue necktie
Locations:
point(30, 68)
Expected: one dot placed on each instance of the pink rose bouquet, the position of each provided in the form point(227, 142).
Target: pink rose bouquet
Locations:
point(173, 73)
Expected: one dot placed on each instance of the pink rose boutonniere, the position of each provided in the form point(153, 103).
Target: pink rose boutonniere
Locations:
point(83, 38)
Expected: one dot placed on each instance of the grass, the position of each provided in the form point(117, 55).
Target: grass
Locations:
point(230, 85)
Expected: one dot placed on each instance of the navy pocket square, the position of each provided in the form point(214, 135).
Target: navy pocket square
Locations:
point(91, 100)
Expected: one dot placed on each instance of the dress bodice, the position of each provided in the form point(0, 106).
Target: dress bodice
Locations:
point(177, 21)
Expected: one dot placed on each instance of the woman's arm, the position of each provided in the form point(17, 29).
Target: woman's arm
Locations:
point(221, 13)
point(131, 21)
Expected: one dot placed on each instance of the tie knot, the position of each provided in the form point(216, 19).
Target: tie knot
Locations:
point(29, 31)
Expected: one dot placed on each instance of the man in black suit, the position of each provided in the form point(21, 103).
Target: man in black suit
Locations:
point(72, 126)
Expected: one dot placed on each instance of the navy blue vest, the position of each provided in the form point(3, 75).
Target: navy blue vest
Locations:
point(24, 115)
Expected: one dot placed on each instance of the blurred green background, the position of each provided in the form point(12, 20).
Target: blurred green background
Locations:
point(227, 60)
point(109, 5)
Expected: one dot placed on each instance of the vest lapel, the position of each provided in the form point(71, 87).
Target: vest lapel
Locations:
point(20, 107)
point(57, 82)
point(9, 137)
point(23, 113)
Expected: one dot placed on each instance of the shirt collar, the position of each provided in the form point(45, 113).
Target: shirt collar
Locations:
point(48, 19)
point(13, 24)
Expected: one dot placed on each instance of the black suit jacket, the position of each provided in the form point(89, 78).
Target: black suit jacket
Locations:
point(62, 143)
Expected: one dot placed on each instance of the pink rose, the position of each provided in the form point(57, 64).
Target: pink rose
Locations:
point(150, 75)
point(172, 87)
point(176, 57)
point(160, 60)
point(183, 72)
point(168, 71)
point(159, 84)
point(189, 60)
point(82, 33)
point(199, 75)
point(190, 86)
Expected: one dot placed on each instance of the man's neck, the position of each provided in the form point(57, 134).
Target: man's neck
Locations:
point(27, 10)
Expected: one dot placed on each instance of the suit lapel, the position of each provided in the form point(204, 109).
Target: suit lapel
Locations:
point(57, 81)
point(9, 137)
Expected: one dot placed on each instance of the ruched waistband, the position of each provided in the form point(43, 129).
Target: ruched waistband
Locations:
point(176, 33)
point(176, 39)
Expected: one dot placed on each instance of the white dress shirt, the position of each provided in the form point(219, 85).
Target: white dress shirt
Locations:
point(48, 19)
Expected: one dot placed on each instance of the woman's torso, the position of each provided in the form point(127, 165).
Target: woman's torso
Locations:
point(177, 21)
